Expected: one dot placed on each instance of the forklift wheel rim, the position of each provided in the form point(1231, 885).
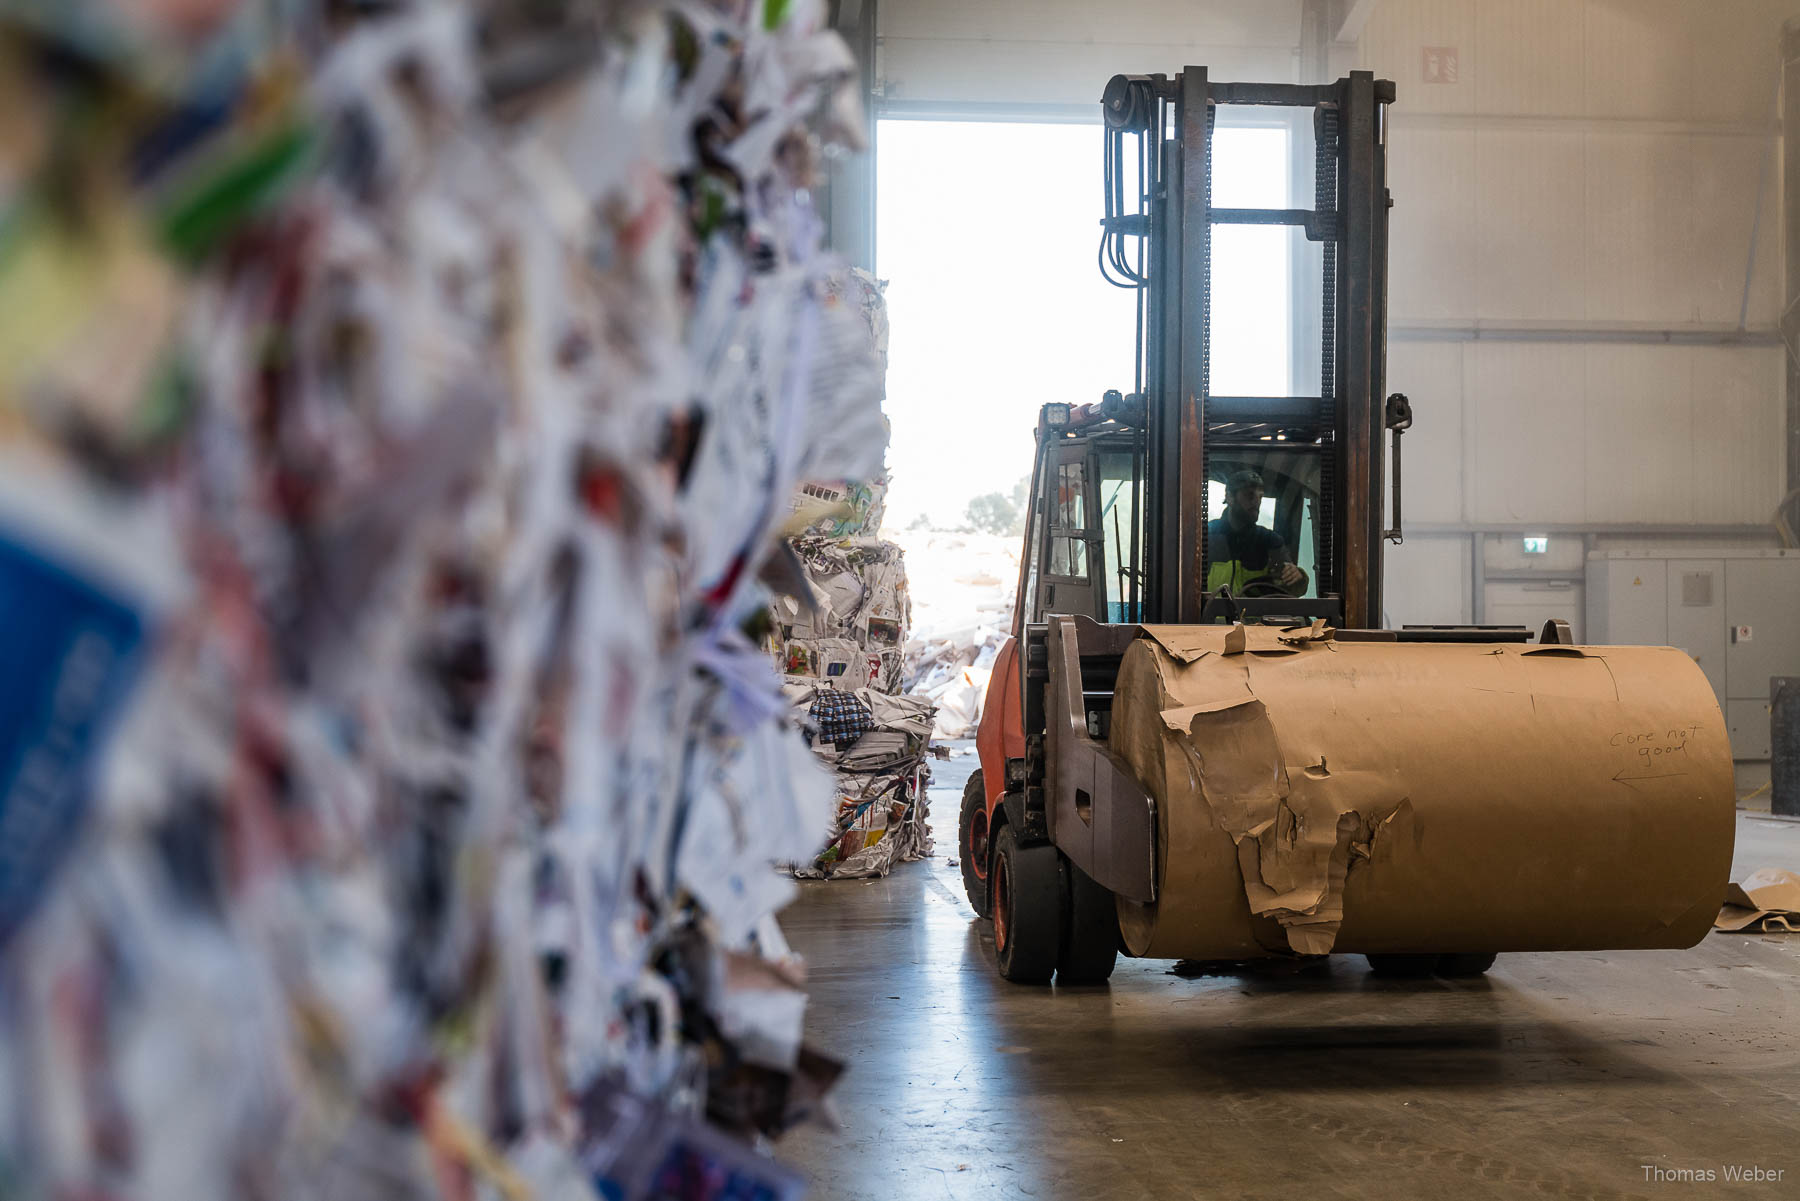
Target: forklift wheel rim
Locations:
point(977, 850)
point(1001, 904)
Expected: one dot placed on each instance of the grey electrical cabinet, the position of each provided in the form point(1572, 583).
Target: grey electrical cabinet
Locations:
point(1736, 612)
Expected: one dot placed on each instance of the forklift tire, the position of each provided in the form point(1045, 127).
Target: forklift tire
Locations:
point(1464, 965)
point(972, 845)
point(1027, 886)
point(1091, 933)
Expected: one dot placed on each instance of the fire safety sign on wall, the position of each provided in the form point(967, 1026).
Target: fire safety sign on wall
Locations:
point(1440, 64)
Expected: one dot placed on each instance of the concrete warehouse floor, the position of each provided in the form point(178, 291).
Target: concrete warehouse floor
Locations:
point(1557, 1075)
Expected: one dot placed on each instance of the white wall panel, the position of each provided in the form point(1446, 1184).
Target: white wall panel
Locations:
point(1737, 59)
point(1662, 110)
point(1639, 417)
point(1662, 229)
point(1678, 60)
point(1609, 433)
point(1637, 58)
point(1728, 186)
point(1530, 54)
point(1737, 462)
point(1425, 581)
point(1431, 375)
point(1639, 228)
point(1432, 244)
point(1530, 198)
point(1631, 227)
point(1521, 224)
point(1530, 439)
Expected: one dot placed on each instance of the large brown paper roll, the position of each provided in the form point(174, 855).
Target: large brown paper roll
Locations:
point(1315, 795)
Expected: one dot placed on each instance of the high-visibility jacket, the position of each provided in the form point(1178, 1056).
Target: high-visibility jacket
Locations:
point(1237, 558)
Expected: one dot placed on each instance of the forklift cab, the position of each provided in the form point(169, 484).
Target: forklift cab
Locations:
point(1082, 528)
point(1084, 537)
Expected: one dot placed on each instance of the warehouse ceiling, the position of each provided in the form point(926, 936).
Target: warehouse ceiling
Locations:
point(1060, 52)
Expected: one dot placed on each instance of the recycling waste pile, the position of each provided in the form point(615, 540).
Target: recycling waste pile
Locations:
point(839, 636)
point(400, 407)
point(875, 744)
point(963, 586)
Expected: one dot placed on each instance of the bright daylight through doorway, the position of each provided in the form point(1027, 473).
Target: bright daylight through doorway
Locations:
point(986, 234)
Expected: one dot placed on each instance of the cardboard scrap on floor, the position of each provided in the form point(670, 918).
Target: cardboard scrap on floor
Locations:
point(1767, 901)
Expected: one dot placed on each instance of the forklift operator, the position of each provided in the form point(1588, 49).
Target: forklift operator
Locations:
point(1248, 558)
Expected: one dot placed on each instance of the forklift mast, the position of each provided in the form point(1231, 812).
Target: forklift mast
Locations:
point(1157, 241)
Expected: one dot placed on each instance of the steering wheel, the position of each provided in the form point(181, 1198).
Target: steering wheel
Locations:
point(1263, 588)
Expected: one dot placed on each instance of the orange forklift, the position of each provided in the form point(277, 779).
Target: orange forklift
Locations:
point(1056, 834)
point(1154, 771)
point(1116, 534)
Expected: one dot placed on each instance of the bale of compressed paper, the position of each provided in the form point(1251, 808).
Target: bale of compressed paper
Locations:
point(850, 636)
point(399, 405)
point(841, 659)
point(848, 628)
point(876, 744)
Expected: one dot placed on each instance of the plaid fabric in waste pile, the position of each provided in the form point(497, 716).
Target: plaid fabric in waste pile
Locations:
point(841, 718)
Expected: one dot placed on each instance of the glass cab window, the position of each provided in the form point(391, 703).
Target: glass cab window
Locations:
point(1034, 555)
point(1262, 511)
point(1121, 564)
point(1068, 532)
point(1061, 574)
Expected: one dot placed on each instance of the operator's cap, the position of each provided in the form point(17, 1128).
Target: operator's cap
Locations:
point(1243, 479)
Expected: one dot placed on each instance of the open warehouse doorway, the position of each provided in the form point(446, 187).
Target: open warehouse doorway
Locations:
point(986, 236)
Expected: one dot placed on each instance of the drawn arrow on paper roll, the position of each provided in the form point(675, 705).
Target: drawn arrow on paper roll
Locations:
point(1620, 777)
